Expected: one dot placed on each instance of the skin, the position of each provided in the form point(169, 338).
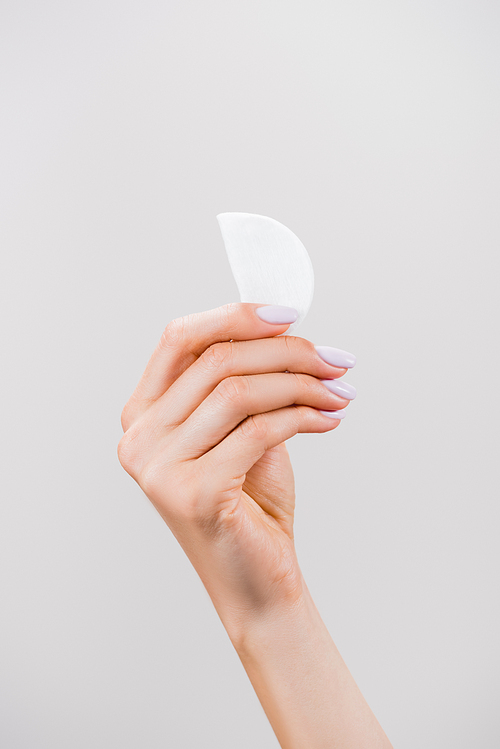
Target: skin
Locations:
point(204, 435)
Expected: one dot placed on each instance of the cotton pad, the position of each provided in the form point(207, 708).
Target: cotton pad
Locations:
point(269, 263)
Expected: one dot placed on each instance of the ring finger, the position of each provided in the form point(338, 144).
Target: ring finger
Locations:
point(235, 398)
point(225, 360)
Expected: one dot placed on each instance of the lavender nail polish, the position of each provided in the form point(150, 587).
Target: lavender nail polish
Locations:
point(335, 414)
point(336, 357)
point(340, 388)
point(277, 315)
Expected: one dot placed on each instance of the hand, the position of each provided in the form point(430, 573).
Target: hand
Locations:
point(204, 438)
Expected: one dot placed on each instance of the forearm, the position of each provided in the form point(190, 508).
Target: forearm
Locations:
point(304, 686)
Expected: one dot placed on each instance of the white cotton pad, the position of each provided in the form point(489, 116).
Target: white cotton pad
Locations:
point(269, 263)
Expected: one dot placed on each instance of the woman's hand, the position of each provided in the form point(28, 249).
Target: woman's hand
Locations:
point(204, 438)
point(204, 434)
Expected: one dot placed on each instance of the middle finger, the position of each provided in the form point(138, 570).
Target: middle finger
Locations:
point(236, 358)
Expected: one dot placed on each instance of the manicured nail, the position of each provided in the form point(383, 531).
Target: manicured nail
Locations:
point(277, 315)
point(340, 388)
point(334, 414)
point(336, 357)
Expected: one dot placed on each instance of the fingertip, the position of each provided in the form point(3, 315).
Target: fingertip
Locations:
point(249, 320)
point(275, 314)
point(334, 415)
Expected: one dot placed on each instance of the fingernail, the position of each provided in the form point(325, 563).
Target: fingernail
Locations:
point(277, 315)
point(334, 414)
point(340, 388)
point(336, 357)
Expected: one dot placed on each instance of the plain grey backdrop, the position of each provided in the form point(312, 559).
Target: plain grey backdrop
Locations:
point(372, 131)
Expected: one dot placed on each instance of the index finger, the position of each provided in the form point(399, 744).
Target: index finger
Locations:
point(186, 338)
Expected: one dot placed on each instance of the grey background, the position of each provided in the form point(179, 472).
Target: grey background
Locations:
point(371, 130)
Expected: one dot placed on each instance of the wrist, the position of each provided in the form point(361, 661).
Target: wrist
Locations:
point(293, 612)
point(247, 596)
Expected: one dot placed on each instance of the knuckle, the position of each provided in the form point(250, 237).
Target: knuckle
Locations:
point(299, 347)
point(304, 419)
point(288, 344)
point(298, 416)
point(302, 381)
point(227, 314)
point(305, 386)
point(254, 429)
point(233, 389)
point(174, 333)
point(218, 356)
point(311, 388)
point(235, 317)
point(134, 449)
point(292, 343)
point(127, 454)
